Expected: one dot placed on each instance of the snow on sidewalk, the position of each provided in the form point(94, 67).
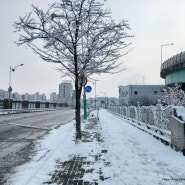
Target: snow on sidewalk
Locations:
point(112, 152)
point(138, 158)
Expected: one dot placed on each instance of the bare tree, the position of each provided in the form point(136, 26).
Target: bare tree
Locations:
point(77, 34)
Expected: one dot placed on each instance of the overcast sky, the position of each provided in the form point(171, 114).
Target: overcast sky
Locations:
point(152, 22)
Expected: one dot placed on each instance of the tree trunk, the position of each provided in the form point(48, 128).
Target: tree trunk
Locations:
point(77, 86)
point(77, 110)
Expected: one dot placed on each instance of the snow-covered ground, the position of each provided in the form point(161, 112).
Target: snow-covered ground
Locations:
point(133, 156)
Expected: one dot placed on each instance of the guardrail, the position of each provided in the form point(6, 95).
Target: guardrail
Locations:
point(16, 111)
point(161, 122)
point(160, 134)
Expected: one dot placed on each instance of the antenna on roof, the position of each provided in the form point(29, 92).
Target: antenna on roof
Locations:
point(143, 79)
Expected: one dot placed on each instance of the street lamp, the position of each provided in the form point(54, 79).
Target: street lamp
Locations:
point(162, 50)
point(12, 69)
point(95, 97)
point(95, 103)
point(105, 97)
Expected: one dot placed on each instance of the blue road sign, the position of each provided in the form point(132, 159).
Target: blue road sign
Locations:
point(88, 88)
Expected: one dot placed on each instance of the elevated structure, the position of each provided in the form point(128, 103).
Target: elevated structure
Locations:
point(173, 70)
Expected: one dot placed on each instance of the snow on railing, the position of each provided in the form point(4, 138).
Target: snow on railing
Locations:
point(152, 119)
point(152, 115)
point(164, 123)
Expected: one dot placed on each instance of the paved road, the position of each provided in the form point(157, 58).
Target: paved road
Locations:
point(18, 133)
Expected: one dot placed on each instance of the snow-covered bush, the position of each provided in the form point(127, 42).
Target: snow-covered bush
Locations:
point(173, 96)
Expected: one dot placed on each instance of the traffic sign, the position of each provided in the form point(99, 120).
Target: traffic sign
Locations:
point(82, 81)
point(88, 88)
point(102, 101)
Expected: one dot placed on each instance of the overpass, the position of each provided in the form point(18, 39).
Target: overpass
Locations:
point(173, 70)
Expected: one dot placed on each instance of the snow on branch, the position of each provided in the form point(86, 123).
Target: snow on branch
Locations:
point(173, 96)
point(80, 35)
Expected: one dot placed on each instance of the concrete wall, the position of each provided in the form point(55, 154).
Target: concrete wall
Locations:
point(178, 134)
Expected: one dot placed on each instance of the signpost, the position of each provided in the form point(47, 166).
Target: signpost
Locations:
point(83, 82)
point(86, 89)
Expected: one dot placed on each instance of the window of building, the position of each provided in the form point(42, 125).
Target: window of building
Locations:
point(155, 92)
point(135, 92)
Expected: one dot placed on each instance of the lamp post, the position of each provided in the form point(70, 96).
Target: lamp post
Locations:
point(12, 69)
point(105, 102)
point(162, 50)
point(95, 104)
point(95, 94)
point(95, 97)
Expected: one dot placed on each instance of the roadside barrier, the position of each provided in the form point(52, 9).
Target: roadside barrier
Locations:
point(156, 120)
point(16, 111)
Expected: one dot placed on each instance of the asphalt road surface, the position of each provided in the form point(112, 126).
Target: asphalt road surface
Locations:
point(18, 133)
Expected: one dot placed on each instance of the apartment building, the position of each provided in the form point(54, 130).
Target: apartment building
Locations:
point(65, 92)
point(53, 97)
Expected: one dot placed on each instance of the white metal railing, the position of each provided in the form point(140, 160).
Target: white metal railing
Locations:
point(154, 120)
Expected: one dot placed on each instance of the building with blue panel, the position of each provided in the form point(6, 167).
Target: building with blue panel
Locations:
point(173, 70)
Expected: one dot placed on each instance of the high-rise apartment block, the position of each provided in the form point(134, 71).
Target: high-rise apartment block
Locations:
point(3, 94)
point(53, 97)
point(66, 95)
point(65, 92)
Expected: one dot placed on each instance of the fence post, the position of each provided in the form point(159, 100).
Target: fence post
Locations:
point(138, 112)
point(128, 110)
point(159, 114)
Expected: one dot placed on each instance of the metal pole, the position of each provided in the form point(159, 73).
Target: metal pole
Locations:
point(9, 89)
point(85, 105)
point(95, 95)
point(10, 78)
point(161, 55)
point(162, 49)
